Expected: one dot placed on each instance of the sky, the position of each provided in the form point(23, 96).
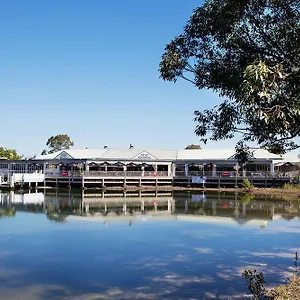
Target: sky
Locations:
point(89, 69)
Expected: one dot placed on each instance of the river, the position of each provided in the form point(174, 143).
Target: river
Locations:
point(142, 245)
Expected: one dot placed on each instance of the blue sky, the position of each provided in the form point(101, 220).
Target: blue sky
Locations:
point(90, 69)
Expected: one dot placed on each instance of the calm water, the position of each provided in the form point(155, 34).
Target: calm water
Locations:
point(144, 246)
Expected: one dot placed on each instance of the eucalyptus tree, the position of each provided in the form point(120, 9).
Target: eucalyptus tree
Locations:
point(248, 52)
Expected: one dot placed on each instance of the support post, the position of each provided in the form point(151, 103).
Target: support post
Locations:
point(169, 206)
point(125, 174)
point(214, 170)
point(173, 169)
point(244, 171)
point(272, 211)
point(189, 181)
point(272, 169)
point(142, 205)
point(186, 206)
point(143, 171)
point(186, 170)
point(214, 207)
point(244, 213)
point(155, 205)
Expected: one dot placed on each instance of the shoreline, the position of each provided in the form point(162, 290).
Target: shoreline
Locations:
point(295, 192)
point(273, 192)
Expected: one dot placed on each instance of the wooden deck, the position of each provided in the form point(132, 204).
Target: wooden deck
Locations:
point(100, 181)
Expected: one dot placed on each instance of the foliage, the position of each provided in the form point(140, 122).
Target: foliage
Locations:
point(9, 154)
point(44, 152)
point(247, 51)
point(247, 198)
point(58, 142)
point(9, 212)
point(290, 291)
point(289, 186)
point(256, 283)
point(192, 147)
point(247, 184)
point(243, 153)
point(296, 263)
point(57, 218)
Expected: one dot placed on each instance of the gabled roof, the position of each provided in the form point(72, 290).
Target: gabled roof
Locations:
point(115, 154)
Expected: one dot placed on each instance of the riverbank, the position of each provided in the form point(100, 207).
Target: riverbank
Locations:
point(290, 291)
point(295, 192)
point(280, 192)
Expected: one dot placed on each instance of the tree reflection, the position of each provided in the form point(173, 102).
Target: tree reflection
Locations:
point(7, 212)
point(56, 217)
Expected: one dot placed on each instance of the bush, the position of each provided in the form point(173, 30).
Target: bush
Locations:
point(290, 186)
point(289, 291)
point(247, 198)
point(256, 283)
point(247, 184)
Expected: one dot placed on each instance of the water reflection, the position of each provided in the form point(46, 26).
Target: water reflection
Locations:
point(173, 245)
point(141, 206)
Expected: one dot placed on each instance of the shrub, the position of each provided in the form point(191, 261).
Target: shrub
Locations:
point(247, 184)
point(256, 283)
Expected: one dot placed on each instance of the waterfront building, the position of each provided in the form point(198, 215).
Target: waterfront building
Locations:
point(134, 166)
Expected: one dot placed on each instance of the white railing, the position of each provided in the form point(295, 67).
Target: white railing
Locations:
point(125, 174)
point(240, 173)
point(27, 177)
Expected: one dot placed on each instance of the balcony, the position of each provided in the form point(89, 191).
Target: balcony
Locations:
point(125, 174)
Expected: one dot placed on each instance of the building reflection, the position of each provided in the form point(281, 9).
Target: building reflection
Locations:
point(137, 206)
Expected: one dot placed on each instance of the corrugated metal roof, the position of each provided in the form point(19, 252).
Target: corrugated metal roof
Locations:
point(205, 154)
point(264, 154)
point(150, 154)
point(293, 156)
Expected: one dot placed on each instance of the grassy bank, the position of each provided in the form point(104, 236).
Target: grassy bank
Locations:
point(286, 190)
point(280, 192)
point(290, 291)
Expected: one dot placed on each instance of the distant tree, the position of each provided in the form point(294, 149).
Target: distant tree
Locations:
point(247, 51)
point(192, 147)
point(9, 154)
point(59, 142)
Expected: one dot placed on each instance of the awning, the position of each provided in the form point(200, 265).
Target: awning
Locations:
point(118, 163)
point(131, 164)
point(285, 164)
